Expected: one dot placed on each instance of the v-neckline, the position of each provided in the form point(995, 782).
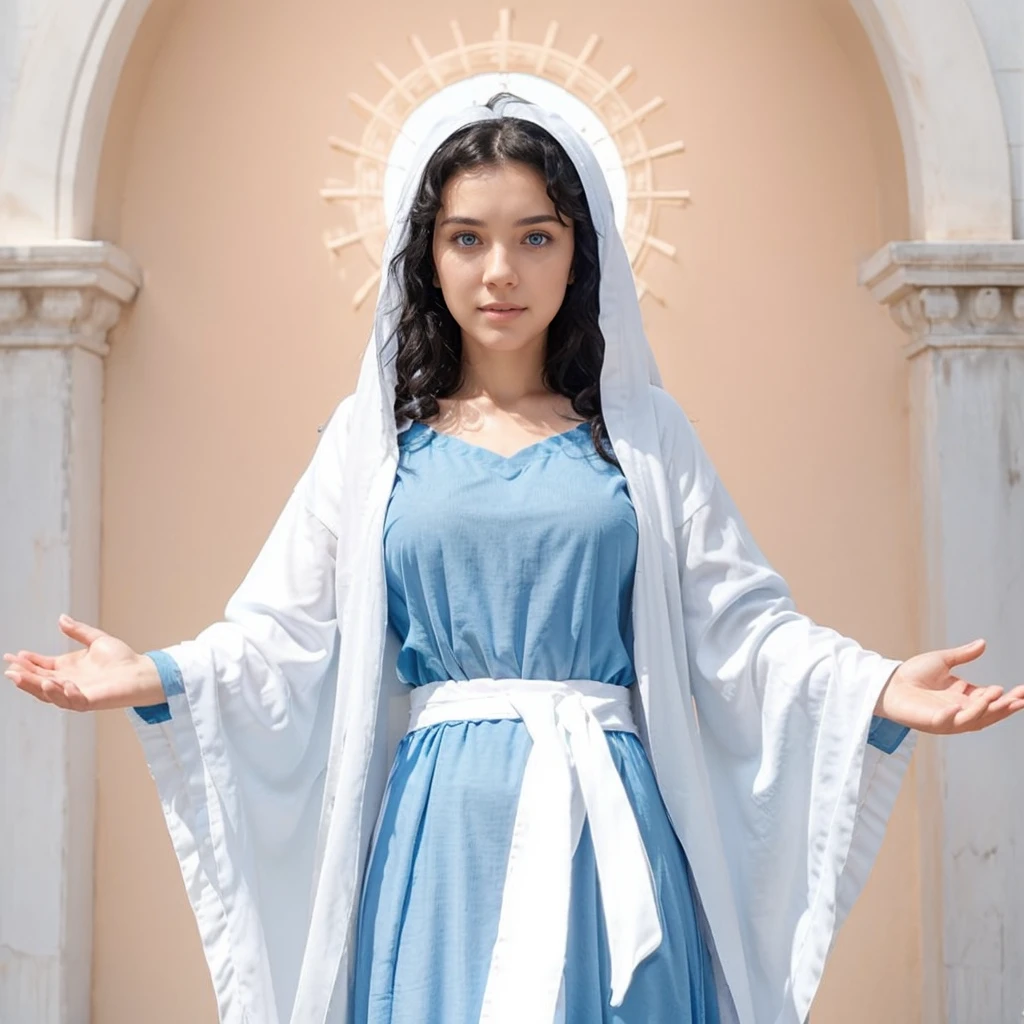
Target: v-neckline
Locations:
point(559, 438)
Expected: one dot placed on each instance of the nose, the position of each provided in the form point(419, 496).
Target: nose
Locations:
point(499, 269)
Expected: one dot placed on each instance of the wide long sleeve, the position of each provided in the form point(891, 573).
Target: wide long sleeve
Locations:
point(752, 651)
point(258, 672)
point(785, 708)
point(240, 748)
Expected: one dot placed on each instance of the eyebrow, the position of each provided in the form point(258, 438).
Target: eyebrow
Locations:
point(541, 218)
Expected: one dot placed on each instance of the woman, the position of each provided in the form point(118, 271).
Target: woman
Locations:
point(512, 522)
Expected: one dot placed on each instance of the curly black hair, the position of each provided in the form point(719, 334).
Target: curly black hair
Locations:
point(429, 359)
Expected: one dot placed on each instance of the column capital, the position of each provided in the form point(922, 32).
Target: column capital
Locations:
point(951, 294)
point(64, 294)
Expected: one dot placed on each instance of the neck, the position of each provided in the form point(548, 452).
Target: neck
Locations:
point(505, 379)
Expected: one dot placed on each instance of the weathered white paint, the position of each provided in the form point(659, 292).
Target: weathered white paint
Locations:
point(56, 305)
point(1001, 23)
point(950, 121)
point(59, 117)
point(963, 308)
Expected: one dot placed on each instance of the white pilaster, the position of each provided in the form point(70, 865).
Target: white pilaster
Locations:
point(962, 306)
point(57, 303)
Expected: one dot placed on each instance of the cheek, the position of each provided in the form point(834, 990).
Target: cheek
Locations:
point(551, 277)
point(455, 274)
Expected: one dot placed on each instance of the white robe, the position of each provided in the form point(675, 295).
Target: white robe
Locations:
point(272, 768)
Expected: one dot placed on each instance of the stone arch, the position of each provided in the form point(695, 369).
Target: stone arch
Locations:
point(954, 141)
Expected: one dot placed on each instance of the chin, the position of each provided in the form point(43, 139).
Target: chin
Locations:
point(502, 341)
point(502, 336)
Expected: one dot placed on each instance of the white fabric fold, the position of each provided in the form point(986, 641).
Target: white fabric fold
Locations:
point(569, 777)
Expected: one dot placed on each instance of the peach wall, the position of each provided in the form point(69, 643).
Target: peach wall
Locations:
point(243, 339)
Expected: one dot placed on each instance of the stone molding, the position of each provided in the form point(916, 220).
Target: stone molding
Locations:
point(951, 294)
point(64, 294)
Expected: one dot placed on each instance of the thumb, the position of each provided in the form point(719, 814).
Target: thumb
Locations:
point(964, 653)
point(79, 630)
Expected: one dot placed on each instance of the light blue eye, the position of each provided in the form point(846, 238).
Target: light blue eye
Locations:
point(537, 234)
point(460, 239)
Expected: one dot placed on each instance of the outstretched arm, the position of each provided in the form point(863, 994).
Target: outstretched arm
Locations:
point(752, 647)
point(265, 658)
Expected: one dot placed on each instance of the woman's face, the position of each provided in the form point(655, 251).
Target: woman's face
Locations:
point(502, 257)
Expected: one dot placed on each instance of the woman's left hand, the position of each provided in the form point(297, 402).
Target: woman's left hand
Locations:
point(924, 694)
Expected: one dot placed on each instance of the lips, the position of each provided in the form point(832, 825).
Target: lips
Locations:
point(502, 313)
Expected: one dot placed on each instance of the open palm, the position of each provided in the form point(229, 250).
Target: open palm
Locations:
point(97, 677)
point(926, 695)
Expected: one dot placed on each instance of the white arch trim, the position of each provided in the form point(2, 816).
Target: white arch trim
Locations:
point(957, 156)
point(59, 118)
point(930, 53)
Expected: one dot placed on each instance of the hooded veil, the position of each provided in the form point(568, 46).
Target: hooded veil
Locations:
point(273, 764)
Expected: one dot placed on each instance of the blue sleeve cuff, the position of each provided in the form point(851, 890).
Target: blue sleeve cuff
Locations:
point(172, 683)
point(886, 735)
point(170, 674)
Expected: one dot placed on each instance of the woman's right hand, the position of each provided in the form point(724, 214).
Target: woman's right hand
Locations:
point(106, 674)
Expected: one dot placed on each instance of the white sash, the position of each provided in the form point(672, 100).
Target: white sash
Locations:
point(569, 776)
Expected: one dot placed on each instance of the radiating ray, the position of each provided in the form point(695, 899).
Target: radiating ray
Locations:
point(654, 154)
point(677, 195)
point(339, 242)
point(503, 37)
point(394, 81)
point(368, 108)
point(427, 61)
point(460, 45)
point(585, 54)
point(365, 288)
point(336, 192)
point(643, 288)
point(344, 146)
point(638, 115)
point(546, 47)
point(660, 245)
point(622, 76)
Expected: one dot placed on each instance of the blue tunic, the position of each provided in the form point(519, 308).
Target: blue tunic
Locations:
point(517, 567)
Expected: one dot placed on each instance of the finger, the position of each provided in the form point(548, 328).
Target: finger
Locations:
point(965, 652)
point(942, 721)
point(42, 660)
point(30, 666)
point(1013, 707)
point(994, 717)
point(76, 699)
point(964, 694)
point(54, 693)
point(1001, 704)
point(27, 683)
point(80, 631)
point(967, 717)
point(1008, 698)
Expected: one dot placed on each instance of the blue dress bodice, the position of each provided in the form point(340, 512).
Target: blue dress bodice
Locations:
point(472, 597)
